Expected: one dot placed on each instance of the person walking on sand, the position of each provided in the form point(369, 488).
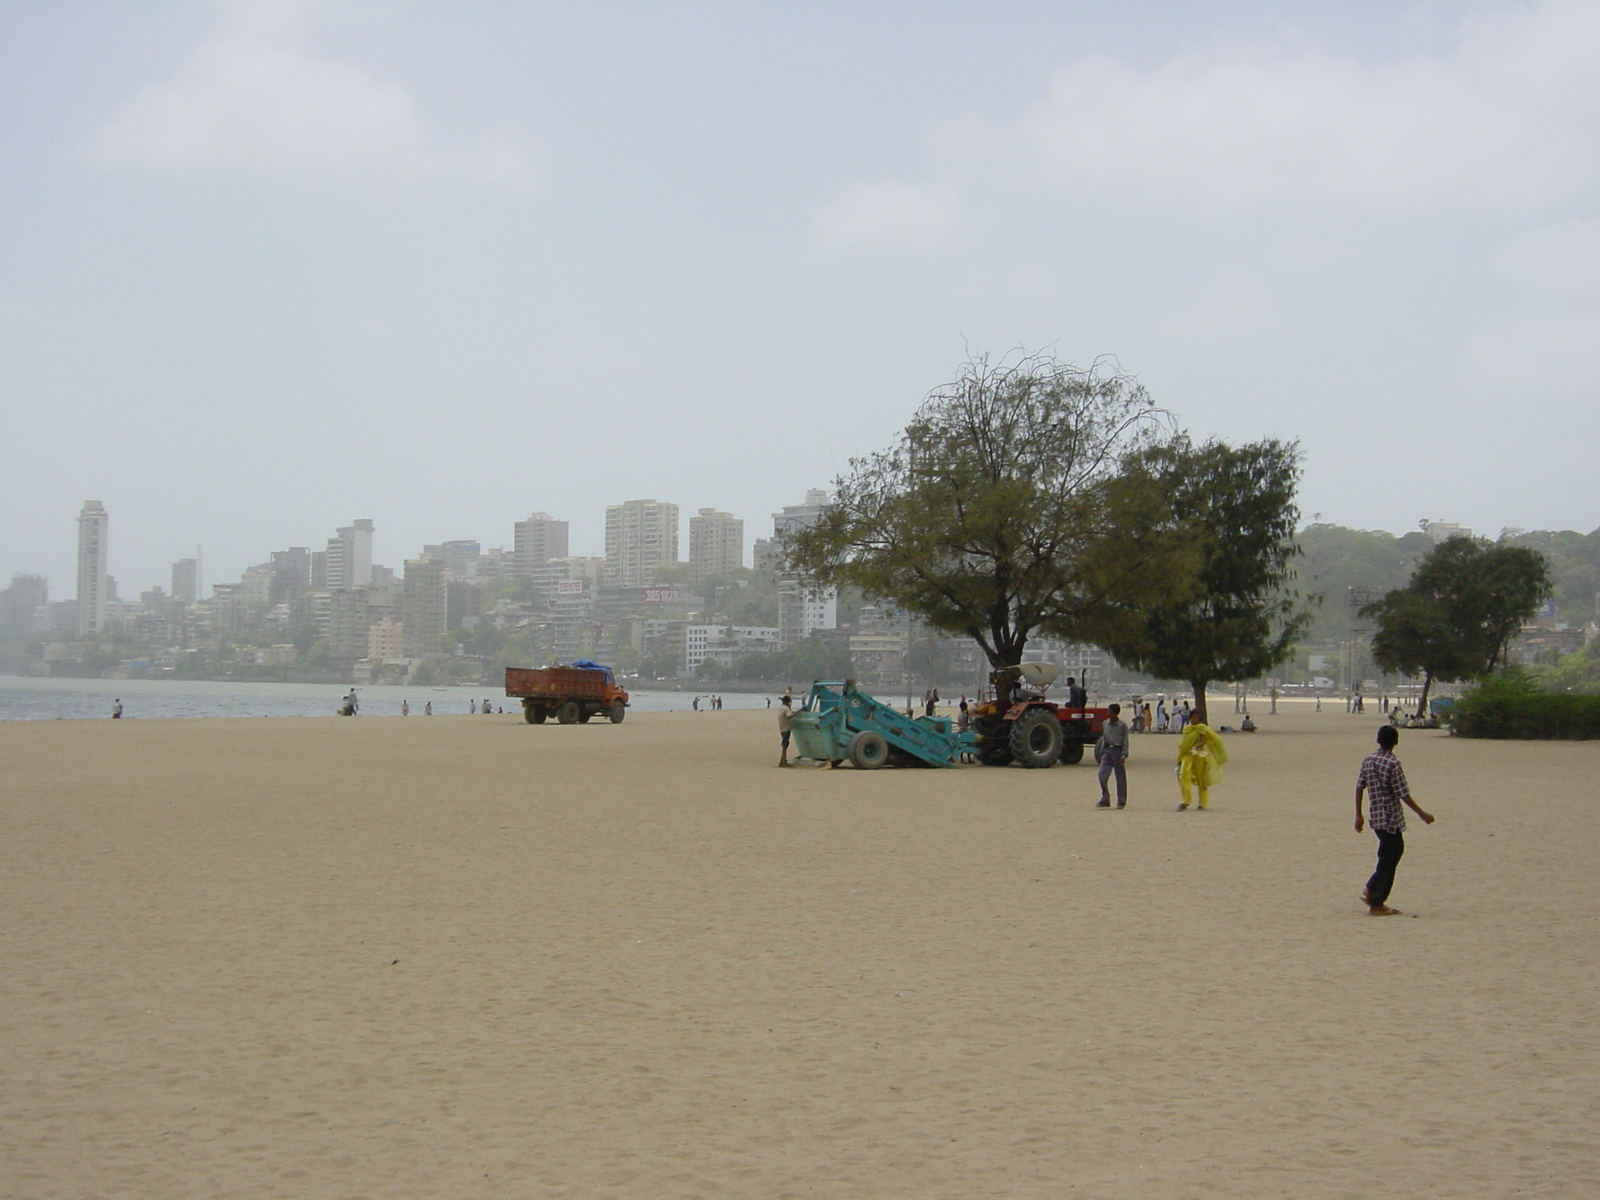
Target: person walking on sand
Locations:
point(1383, 782)
point(1201, 757)
point(785, 713)
point(1113, 757)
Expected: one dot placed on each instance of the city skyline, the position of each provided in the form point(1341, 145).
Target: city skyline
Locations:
point(268, 263)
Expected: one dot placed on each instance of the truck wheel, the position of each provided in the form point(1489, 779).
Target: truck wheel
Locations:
point(1072, 754)
point(1036, 738)
point(567, 714)
point(533, 714)
point(868, 751)
point(584, 714)
point(618, 711)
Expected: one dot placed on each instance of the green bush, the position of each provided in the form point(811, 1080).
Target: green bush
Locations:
point(1511, 704)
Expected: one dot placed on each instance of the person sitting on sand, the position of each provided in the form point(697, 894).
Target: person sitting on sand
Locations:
point(1201, 757)
point(1383, 782)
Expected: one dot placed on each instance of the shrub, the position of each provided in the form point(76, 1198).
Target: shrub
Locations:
point(1511, 704)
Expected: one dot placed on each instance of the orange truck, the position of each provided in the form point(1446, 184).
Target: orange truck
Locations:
point(573, 694)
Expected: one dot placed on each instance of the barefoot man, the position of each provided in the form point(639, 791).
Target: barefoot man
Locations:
point(1383, 782)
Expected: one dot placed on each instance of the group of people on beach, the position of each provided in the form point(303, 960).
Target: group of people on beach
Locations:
point(1380, 784)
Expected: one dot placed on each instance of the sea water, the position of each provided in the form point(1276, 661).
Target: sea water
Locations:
point(25, 698)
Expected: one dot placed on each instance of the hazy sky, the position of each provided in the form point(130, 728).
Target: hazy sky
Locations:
point(269, 267)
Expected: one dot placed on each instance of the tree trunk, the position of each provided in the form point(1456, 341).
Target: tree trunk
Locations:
point(1199, 688)
point(1427, 686)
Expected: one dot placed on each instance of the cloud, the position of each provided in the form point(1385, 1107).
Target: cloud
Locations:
point(893, 216)
point(253, 99)
point(1509, 119)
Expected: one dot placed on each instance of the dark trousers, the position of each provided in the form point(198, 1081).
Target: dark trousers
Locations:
point(1390, 847)
point(1111, 760)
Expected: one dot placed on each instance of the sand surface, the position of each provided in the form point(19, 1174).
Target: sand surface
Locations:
point(467, 957)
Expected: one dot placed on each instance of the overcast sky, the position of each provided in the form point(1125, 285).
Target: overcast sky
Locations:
point(269, 267)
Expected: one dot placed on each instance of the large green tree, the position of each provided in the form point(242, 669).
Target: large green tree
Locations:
point(1456, 617)
point(1237, 614)
point(1002, 506)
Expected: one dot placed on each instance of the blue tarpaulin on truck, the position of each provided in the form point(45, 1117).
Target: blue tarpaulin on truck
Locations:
point(591, 665)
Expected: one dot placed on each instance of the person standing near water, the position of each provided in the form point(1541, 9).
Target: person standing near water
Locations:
point(1201, 757)
point(1383, 782)
point(116, 709)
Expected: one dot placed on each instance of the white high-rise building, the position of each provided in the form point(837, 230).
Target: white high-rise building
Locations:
point(349, 556)
point(537, 540)
point(801, 610)
point(716, 544)
point(641, 540)
point(94, 584)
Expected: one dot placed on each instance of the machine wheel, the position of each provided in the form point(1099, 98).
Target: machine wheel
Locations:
point(1036, 738)
point(585, 714)
point(1072, 754)
point(868, 751)
point(533, 714)
point(617, 712)
point(568, 713)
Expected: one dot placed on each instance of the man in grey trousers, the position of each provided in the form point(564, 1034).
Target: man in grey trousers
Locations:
point(1113, 757)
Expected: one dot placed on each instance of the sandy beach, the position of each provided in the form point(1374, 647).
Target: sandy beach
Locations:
point(465, 957)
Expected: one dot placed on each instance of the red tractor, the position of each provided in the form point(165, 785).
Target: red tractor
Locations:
point(1020, 726)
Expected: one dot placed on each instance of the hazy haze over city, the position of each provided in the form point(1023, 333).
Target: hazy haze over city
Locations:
point(266, 268)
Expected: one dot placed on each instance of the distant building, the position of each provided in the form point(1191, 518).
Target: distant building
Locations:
point(1443, 531)
point(349, 557)
point(349, 627)
point(424, 607)
point(21, 605)
point(536, 541)
point(186, 581)
point(641, 540)
point(386, 639)
point(724, 644)
point(716, 544)
point(94, 584)
point(802, 610)
point(460, 558)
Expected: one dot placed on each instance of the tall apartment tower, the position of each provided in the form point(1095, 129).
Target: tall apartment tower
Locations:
point(186, 581)
point(536, 541)
point(349, 561)
point(802, 610)
point(94, 586)
point(641, 539)
point(716, 544)
point(424, 607)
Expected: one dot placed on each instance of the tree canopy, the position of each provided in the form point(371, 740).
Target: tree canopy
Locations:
point(1004, 505)
point(1236, 616)
point(1455, 619)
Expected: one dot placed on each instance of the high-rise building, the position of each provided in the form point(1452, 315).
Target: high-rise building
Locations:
point(94, 588)
point(349, 556)
point(348, 627)
point(641, 540)
point(186, 581)
point(537, 540)
point(424, 607)
point(716, 544)
point(802, 610)
point(20, 604)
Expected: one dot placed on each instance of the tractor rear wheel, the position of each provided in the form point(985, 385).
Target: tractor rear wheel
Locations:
point(868, 751)
point(1036, 738)
point(568, 713)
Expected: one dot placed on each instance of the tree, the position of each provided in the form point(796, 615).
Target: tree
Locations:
point(1001, 506)
point(1236, 616)
point(1456, 618)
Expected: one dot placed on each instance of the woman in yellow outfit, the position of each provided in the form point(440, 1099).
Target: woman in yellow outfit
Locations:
point(1201, 757)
